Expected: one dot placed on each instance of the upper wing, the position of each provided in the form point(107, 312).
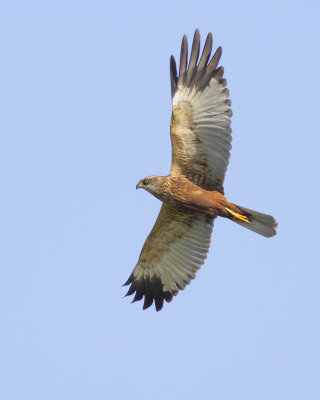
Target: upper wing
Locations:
point(173, 252)
point(200, 122)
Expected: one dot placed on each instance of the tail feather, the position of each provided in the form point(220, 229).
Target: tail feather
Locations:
point(257, 222)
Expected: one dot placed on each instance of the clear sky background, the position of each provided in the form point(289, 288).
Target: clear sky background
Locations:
point(85, 112)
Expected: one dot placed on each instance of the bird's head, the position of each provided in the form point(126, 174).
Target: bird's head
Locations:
point(150, 184)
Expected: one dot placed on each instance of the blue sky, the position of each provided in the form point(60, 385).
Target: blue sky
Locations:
point(85, 111)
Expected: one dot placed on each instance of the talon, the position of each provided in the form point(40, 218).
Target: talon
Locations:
point(237, 215)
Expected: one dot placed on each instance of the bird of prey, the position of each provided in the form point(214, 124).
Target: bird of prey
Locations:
point(192, 194)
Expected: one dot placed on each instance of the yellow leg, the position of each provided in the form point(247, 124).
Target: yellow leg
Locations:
point(237, 215)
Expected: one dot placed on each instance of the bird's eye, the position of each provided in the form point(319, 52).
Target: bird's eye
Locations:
point(145, 181)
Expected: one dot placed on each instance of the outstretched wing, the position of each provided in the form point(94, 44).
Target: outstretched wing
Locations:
point(200, 123)
point(172, 254)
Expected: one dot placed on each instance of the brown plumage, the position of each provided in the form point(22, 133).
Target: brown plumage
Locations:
point(192, 194)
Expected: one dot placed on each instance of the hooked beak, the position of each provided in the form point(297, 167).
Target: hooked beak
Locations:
point(139, 185)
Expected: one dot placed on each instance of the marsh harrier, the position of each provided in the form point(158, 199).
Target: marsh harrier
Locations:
point(192, 194)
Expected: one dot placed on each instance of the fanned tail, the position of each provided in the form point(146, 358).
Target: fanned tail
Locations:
point(255, 221)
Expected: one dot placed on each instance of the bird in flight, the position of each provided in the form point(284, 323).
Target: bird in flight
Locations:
point(192, 194)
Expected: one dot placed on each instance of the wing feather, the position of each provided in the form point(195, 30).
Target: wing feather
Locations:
point(172, 254)
point(173, 75)
point(206, 52)
point(200, 123)
point(183, 55)
point(195, 50)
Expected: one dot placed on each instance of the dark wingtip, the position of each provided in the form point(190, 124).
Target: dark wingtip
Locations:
point(158, 301)
point(130, 291)
point(215, 60)
point(151, 290)
point(206, 52)
point(195, 50)
point(198, 74)
point(148, 300)
point(173, 75)
point(130, 279)
point(183, 55)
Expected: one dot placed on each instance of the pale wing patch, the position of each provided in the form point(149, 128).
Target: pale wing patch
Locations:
point(172, 254)
point(201, 133)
